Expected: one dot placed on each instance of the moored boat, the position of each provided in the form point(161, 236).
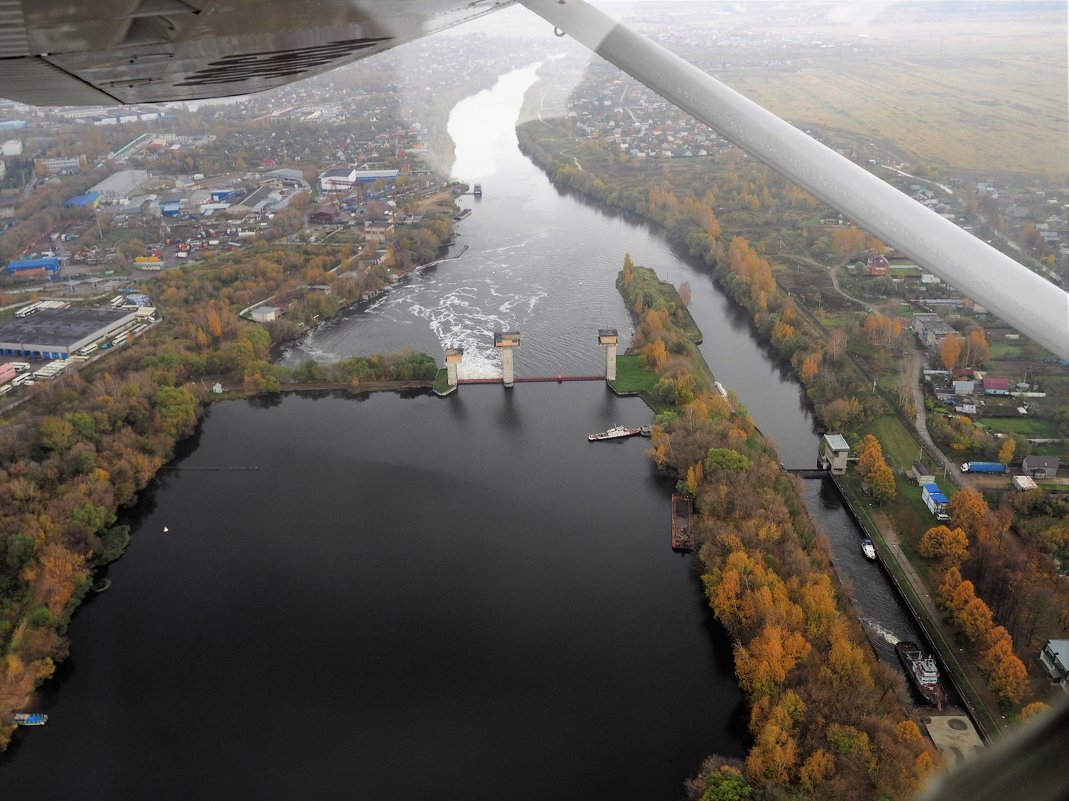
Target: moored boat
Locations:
point(616, 432)
point(868, 548)
point(922, 672)
point(682, 512)
point(31, 718)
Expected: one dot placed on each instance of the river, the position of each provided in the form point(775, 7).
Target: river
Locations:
point(414, 597)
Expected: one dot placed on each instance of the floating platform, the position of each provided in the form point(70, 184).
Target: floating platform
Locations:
point(682, 520)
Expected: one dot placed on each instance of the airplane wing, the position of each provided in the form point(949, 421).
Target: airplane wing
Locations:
point(1030, 303)
point(57, 52)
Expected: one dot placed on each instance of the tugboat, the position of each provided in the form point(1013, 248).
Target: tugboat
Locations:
point(616, 432)
point(478, 190)
point(31, 718)
point(922, 672)
point(868, 548)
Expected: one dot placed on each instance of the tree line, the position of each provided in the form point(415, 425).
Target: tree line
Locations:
point(824, 719)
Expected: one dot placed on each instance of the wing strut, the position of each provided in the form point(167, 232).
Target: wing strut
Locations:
point(1025, 300)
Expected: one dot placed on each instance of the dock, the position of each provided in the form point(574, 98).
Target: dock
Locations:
point(682, 518)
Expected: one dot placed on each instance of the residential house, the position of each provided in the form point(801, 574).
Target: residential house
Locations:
point(1040, 467)
point(378, 229)
point(930, 329)
point(1055, 658)
point(878, 265)
point(996, 386)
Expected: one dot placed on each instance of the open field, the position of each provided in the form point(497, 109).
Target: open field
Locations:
point(632, 377)
point(977, 92)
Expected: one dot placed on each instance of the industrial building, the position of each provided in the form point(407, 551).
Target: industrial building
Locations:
point(834, 453)
point(33, 267)
point(338, 179)
point(121, 184)
point(58, 333)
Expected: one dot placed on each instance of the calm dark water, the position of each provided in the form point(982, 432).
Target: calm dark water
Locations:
point(408, 598)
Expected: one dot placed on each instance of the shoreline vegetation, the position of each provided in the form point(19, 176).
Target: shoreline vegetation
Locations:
point(842, 357)
point(84, 448)
point(825, 718)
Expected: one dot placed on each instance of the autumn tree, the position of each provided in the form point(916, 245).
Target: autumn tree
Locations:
point(836, 345)
point(940, 542)
point(1007, 677)
point(1005, 453)
point(974, 348)
point(950, 350)
point(967, 511)
point(685, 294)
point(882, 483)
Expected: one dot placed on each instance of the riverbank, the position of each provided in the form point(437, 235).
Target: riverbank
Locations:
point(843, 395)
point(800, 654)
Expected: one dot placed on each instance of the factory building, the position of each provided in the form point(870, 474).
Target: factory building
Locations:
point(121, 184)
point(58, 333)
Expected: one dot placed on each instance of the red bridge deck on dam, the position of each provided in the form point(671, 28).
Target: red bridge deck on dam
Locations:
point(560, 379)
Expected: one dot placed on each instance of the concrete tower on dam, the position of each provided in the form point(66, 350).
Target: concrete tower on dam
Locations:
point(608, 337)
point(453, 358)
point(507, 341)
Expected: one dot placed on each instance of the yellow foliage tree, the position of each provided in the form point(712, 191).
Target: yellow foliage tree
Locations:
point(771, 655)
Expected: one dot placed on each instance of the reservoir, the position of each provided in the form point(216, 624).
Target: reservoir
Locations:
point(416, 597)
point(406, 598)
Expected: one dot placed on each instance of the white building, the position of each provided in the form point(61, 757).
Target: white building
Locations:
point(834, 453)
point(339, 179)
point(264, 314)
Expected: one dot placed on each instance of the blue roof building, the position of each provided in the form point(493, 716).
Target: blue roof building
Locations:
point(87, 201)
point(50, 265)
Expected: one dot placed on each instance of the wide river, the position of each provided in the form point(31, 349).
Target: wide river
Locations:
point(414, 597)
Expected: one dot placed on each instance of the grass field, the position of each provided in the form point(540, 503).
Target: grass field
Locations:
point(631, 377)
point(900, 447)
point(1027, 426)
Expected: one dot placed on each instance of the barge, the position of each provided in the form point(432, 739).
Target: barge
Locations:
point(682, 517)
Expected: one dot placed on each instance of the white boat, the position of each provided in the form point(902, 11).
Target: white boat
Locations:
point(868, 548)
point(616, 432)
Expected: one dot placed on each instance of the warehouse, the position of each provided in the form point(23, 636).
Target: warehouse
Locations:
point(121, 184)
point(57, 333)
point(33, 267)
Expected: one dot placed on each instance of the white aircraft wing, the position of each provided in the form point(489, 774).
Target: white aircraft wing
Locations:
point(59, 52)
point(1028, 302)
